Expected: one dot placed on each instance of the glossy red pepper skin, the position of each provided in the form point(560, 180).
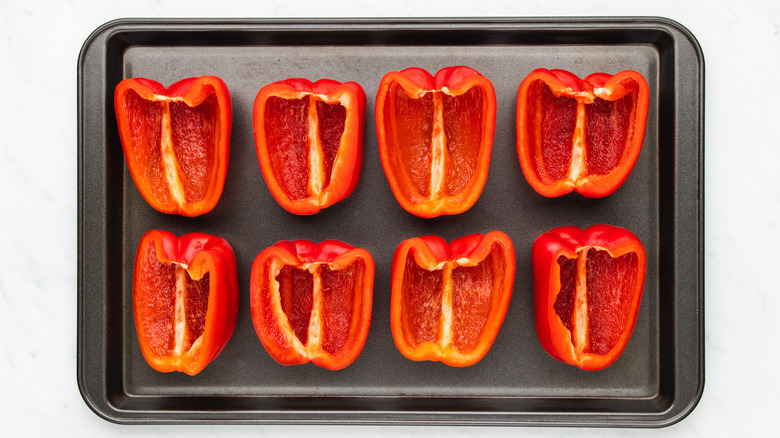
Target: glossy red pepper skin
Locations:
point(435, 137)
point(176, 141)
point(185, 299)
point(309, 141)
point(448, 301)
point(312, 302)
point(580, 135)
point(588, 287)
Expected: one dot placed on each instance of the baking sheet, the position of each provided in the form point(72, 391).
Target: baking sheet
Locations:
point(657, 380)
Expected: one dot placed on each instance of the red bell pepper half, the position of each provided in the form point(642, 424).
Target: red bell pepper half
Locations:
point(312, 302)
point(309, 141)
point(449, 301)
point(185, 299)
point(436, 137)
point(176, 141)
point(581, 135)
point(588, 286)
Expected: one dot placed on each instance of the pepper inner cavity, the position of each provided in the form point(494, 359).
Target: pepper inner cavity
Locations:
point(303, 137)
point(438, 137)
point(176, 143)
point(595, 298)
point(320, 303)
point(576, 138)
point(173, 306)
point(449, 306)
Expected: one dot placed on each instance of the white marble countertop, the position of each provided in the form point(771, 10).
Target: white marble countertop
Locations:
point(38, 226)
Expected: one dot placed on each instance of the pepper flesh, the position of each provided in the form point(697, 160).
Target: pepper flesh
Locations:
point(185, 299)
point(309, 141)
point(580, 135)
point(176, 141)
point(448, 301)
point(312, 302)
point(588, 288)
point(435, 137)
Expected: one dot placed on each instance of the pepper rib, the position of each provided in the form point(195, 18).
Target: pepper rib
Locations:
point(314, 143)
point(578, 169)
point(580, 326)
point(314, 340)
point(438, 148)
point(179, 316)
point(445, 324)
point(171, 168)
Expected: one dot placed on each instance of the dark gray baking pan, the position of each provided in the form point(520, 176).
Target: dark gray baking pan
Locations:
point(656, 382)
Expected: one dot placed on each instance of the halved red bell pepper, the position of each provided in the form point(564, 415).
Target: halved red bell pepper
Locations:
point(309, 141)
point(176, 141)
point(185, 299)
point(436, 137)
point(588, 287)
point(581, 135)
point(312, 302)
point(448, 301)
